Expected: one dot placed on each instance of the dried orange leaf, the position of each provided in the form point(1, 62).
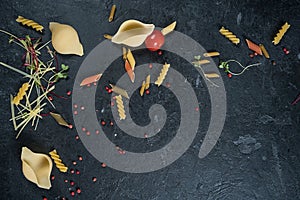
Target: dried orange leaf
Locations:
point(59, 119)
point(254, 47)
point(90, 79)
point(129, 71)
point(168, 29)
point(119, 90)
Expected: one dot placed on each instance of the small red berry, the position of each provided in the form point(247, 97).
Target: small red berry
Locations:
point(75, 112)
point(159, 53)
point(72, 171)
point(155, 40)
point(103, 122)
point(80, 158)
point(75, 106)
point(287, 52)
point(52, 177)
point(66, 180)
point(82, 107)
point(83, 129)
point(103, 165)
point(94, 179)
point(72, 193)
point(147, 92)
point(229, 75)
point(50, 98)
point(106, 88)
point(97, 132)
point(72, 183)
point(69, 93)
point(284, 49)
point(109, 91)
point(45, 198)
point(78, 190)
point(88, 133)
point(70, 126)
point(111, 123)
point(255, 54)
point(74, 163)
point(77, 172)
point(77, 137)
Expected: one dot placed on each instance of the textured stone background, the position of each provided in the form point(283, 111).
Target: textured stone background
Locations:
point(258, 154)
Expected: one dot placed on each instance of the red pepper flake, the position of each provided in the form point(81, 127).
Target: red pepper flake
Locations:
point(94, 179)
point(72, 171)
point(80, 158)
point(77, 172)
point(50, 98)
point(103, 122)
point(69, 93)
point(70, 126)
point(72, 193)
point(78, 190)
point(103, 165)
point(147, 92)
point(72, 183)
point(109, 91)
point(229, 75)
point(111, 123)
point(287, 52)
point(45, 198)
point(77, 137)
point(66, 180)
point(52, 177)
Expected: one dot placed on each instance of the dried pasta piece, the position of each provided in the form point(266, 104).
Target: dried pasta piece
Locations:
point(58, 162)
point(107, 36)
point(119, 90)
point(229, 35)
point(211, 54)
point(59, 119)
point(254, 47)
point(162, 74)
point(130, 59)
point(120, 105)
point(201, 62)
point(212, 75)
point(21, 93)
point(124, 53)
point(90, 79)
point(264, 50)
point(142, 90)
point(168, 29)
point(281, 33)
point(30, 23)
point(147, 82)
point(112, 13)
point(129, 71)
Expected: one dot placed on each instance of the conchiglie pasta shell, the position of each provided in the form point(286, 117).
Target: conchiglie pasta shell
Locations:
point(132, 33)
point(65, 39)
point(36, 168)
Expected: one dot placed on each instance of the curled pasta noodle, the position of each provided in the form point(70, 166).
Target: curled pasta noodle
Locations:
point(162, 74)
point(58, 162)
point(281, 33)
point(21, 93)
point(229, 35)
point(120, 105)
point(30, 23)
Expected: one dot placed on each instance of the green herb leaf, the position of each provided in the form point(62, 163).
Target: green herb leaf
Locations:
point(64, 67)
point(197, 57)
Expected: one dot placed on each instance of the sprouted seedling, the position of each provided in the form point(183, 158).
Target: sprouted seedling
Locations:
point(225, 66)
point(41, 79)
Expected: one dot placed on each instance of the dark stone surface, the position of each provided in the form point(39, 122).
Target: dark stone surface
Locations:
point(258, 104)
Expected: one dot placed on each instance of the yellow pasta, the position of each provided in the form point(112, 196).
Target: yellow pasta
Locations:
point(281, 33)
point(59, 119)
point(162, 74)
point(201, 62)
point(107, 36)
point(21, 93)
point(229, 35)
point(211, 75)
point(147, 83)
point(120, 105)
point(58, 162)
point(168, 29)
point(119, 90)
point(112, 13)
point(264, 50)
point(130, 59)
point(30, 23)
point(142, 90)
point(124, 53)
point(211, 54)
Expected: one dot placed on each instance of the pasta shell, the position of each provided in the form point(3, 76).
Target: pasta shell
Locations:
point(132, 33)
point(65, 39)
point(36, 168)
